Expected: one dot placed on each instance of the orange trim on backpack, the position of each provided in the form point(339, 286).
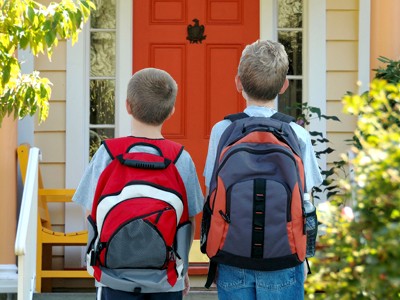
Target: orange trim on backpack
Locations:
point(298, 225)
point(218, 226)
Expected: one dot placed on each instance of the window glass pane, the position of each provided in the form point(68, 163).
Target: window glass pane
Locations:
point(97, 135)
point(293, 42)
point(102, 54)
point(102, 101)
point(289, 101)
point(290, 13)
point(104, 15)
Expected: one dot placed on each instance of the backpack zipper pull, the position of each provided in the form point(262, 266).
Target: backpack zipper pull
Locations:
point(225, 217)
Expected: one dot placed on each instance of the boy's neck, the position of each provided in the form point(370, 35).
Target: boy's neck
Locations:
point(267, 103)
point(140, 129)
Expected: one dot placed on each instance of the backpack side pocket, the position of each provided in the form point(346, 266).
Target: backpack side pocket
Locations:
point(92, 236)
point(311, 227)
point(205, 225)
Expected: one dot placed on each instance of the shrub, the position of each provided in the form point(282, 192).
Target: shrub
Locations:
point(360, 257)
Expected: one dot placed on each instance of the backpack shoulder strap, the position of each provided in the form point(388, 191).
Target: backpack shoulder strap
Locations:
point(234, 117)
point(277, 116)
point(283, 117)
point(170, 149)
point(117, 146)
point(167, 148)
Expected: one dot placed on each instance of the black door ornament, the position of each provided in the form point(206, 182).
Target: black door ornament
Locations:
point(195, 32)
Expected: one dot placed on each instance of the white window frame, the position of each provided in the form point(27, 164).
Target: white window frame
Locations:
point(314, 52)
point(77, 118)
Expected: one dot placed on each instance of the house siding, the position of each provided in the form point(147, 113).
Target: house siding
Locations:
point(342, 70)
point(49, 136)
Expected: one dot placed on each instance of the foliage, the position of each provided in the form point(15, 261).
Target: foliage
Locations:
point(330, 184)
point(391, 72)
point(360, 257)
point(26, 24)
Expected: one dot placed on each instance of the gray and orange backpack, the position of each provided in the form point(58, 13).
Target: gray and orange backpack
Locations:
point(254, 215)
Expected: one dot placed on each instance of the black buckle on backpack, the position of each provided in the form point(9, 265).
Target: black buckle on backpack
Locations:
point(92, 258)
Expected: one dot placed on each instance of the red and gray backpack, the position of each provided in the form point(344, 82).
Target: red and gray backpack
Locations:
point(139, 228)
point(253, 217)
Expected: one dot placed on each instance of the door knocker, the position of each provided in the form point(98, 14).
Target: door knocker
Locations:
point(195, 32)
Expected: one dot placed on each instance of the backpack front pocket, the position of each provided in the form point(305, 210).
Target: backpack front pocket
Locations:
point(137, 244)
point(258, 209)
point(140, 241)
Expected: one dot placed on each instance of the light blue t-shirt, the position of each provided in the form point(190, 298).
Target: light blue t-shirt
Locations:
point(312, 172)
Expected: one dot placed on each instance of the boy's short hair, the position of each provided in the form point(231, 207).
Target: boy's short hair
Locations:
point(262, 69)
point(151, 95)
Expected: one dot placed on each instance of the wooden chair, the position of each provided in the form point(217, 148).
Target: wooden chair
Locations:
point(46, 236)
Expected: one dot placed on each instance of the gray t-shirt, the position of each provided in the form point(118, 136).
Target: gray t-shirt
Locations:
point(312, 172)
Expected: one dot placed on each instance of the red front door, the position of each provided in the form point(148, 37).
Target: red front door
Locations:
point(205, 70)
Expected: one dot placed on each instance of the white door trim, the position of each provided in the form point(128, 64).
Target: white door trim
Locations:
point(315, 62)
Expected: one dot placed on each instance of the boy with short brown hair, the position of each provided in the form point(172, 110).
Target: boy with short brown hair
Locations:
point(151, 96)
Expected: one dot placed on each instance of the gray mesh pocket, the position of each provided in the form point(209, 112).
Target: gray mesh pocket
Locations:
point(136, 245)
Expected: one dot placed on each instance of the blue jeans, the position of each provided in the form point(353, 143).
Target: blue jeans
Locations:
point(235, 283)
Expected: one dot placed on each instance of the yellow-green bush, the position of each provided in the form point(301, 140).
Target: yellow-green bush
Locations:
point(360, 258)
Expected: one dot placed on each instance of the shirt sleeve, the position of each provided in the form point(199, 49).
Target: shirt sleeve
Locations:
point(215, 136)
point(187, 170)
point(84, 194)
point(311, 168)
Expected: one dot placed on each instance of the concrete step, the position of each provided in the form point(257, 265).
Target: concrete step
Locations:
point(193, 295)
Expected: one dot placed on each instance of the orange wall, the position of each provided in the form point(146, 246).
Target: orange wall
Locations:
point(8, 188)
point(385, 31)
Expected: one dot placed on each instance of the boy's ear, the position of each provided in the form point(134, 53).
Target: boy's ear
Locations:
point(128, 107)
point(284, 87)
point(238, 83)
point(171, 113)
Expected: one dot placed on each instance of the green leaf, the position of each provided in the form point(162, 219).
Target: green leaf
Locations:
point(316, 133)
point(46, 25)
point(315, 110)
point(78, 19)
point(326, 151)
point(31, 14)
point(6, 74)
point(331, 118)
point(49, 38)
point(23, 42)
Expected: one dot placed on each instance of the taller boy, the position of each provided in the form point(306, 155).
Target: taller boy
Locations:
point(150, 101)
point(261, 77)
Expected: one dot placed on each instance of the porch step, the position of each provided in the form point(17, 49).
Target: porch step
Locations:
point(193, 295)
